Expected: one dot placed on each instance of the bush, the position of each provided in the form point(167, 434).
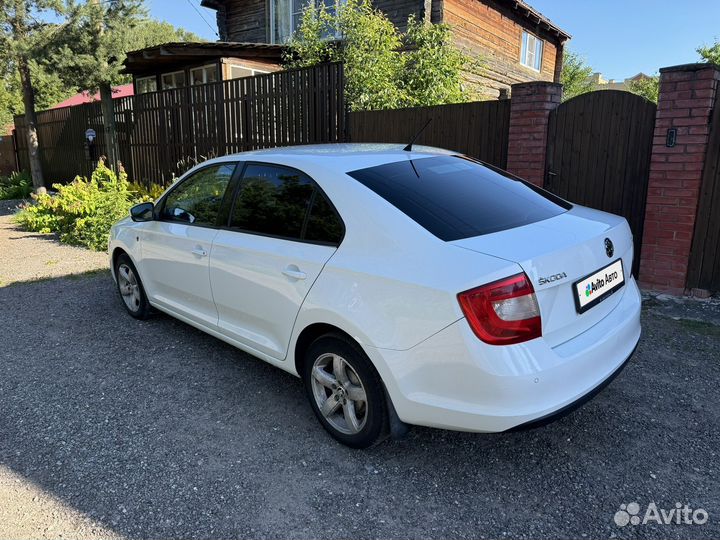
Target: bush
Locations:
point(384, 68)
point(83, 211)
point(16, 186)
point(144, 193)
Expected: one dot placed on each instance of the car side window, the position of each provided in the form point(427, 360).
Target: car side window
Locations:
point(197, 199)
point(323, 224)
point(273, 200)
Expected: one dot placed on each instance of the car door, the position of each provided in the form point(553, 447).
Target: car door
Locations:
point(282, 230)
point(176, 246)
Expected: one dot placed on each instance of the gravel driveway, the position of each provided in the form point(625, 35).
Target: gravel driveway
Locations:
point(110, 426)
point(29, 256)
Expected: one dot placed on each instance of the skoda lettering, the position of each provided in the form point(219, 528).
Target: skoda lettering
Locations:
point(550, 279)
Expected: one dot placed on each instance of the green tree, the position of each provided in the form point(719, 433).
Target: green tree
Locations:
point(384, 69)
point(710, 53)
point(50, 88)
point(432, 65)
point(21, 35)
point(11, 102)
point(150, 32)
point(92, 46)
point(575, 76)
point(647, 87)
point(89, 51)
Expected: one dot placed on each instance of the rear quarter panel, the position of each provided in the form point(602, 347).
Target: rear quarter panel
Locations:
point(391, 284)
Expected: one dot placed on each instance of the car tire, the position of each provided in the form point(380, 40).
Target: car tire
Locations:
point(130, 288)
point(345, 391)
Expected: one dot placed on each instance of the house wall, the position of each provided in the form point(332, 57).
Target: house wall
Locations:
point(247, 20)
point(244, 21)
point(484, 29)
point(492, 32)
point(398, 11)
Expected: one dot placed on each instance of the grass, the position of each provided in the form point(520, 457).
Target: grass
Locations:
point(700, 327)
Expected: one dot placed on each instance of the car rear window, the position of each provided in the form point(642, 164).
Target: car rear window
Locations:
point(454, 197)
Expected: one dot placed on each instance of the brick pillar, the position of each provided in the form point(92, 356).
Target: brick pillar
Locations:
point(687, 96)
point(530, 107)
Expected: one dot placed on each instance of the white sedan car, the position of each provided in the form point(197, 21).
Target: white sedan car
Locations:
point(404, 287)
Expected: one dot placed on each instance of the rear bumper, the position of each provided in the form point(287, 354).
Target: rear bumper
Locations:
point(567, 409)
point(454, 381)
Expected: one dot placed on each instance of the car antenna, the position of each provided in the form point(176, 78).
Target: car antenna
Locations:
point(408, 148)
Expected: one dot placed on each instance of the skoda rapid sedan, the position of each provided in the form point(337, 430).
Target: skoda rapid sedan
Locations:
point(403, 287)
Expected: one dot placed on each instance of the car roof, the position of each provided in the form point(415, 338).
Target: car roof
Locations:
point(340, 157)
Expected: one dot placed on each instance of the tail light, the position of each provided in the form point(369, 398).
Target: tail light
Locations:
point(503, 312)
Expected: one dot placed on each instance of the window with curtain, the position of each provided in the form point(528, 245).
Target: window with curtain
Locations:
point(531, 51)
point(146, 84)
point(204, 75)
point(176, 79)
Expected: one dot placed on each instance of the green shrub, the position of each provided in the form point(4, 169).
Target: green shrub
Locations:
point(16, 186)
point(83, 211)
point(146, 194)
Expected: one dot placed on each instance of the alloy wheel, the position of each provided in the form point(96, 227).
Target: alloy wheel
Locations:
point(339, 393)
point(129, 287)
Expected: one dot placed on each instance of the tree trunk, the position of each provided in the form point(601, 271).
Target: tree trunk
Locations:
point(108, 111)
point(29, 104)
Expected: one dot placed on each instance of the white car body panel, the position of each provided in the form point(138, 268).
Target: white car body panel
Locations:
point(487, 389)
point(392, 286)
point(571, 243)
point(175, 269)
point(257, 302)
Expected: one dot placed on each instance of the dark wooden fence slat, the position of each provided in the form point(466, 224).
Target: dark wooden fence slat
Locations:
point(156, 131)
point(599, 147)
point(704, 267)
point(478, 129)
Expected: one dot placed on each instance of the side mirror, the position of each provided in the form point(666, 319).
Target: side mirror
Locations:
point(142, 212)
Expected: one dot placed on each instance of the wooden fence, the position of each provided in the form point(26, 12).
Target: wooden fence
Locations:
point(161, 133)
point(7, 155)
point(704, 264)
point(598, 155)
point(478, 129)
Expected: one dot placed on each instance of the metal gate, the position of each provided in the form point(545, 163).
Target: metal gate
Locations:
point(598, 154)
point(704, 267)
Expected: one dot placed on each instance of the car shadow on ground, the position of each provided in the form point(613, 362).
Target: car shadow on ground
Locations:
point(155, 429)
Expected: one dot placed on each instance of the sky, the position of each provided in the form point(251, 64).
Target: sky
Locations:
point(618, 38)
point(183, 13)
point(622, 38)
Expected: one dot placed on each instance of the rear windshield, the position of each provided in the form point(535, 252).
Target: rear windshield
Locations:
point(454, 197)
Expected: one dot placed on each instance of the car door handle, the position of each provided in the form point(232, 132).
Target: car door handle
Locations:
point(199, 252)
point(294, 273)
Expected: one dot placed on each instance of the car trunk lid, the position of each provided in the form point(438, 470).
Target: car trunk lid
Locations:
point(557, 252)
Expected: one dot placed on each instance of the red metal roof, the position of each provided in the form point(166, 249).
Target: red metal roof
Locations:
point(85, 97)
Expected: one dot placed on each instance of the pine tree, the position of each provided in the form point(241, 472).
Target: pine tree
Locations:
point(89, 53)
point(20, 39)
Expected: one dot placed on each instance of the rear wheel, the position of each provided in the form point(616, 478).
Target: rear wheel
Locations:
point(345, 392)
point(131, 288)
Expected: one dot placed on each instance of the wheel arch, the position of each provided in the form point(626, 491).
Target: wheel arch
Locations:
point(115, 254)
point(312, 332)
point(397, 428)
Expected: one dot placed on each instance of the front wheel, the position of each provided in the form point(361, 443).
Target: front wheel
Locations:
point(131, 288)
point(345, 392)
